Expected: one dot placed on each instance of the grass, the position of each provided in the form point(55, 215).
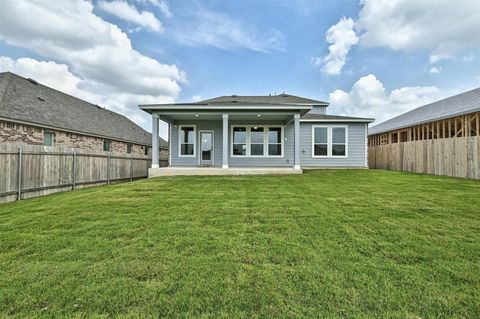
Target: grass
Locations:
point(347, 244)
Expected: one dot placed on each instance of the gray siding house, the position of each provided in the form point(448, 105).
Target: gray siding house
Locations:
point(275, 131)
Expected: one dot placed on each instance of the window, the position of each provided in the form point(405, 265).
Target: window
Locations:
point(145, 150)
point(329, 141)
point(187, 140)
point(106, 145)
point(274, 141)
point(257, 141)
point(48, 138)
point(320, 141)
point(129, 148)
point(339, 144)
point(239, 147)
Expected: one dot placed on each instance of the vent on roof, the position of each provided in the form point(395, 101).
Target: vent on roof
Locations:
point(33, 81)
point(234, 95)
point(97, 106)
point(41, 99)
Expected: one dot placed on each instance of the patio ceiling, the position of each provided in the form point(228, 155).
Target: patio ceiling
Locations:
point(280, 116)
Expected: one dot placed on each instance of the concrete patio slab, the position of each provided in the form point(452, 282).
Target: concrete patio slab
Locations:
point(191, 171)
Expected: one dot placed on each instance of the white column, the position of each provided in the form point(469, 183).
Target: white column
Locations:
point(296, 148)
point(225, 141)
point(155, 155)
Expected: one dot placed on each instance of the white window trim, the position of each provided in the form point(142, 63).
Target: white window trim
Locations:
point(329, 141)
point(265, 141)
point(194, 140)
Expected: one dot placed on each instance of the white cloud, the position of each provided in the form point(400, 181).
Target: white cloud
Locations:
point(129, 13)
point(443, 28)
point(59, 77)
point(341, 37)
point(96, 52)
point(225, 32)
point(368, 97)
point(196, 98)
point(435, 70)
point(162, 5)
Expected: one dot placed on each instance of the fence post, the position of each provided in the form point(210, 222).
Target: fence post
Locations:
point(108, 168)
point(74, 167)
point(20, 172)
point(131, 167)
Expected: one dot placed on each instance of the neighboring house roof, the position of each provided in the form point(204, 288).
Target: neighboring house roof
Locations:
point(25, 100)
point(464, 103)
point(262, 99)
point(333, 118)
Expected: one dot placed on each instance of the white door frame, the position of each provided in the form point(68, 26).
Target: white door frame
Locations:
point(200, 145)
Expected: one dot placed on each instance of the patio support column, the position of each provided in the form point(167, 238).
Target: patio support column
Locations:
point(296, 148)
point(225, 141)
point(155, 155)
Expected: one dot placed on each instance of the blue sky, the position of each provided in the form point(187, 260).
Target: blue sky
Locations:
point(374, 58)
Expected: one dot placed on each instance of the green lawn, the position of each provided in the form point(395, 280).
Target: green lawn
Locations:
point(345, 243)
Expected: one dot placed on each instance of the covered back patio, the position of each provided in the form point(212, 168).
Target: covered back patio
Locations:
point(227, 139)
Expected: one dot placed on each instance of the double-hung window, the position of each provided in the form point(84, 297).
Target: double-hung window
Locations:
point(187, 140)
point(339, 141)
point(274, 141)
point(320, 141)
point(239, 147)
point(329, 141)
point(257, 141)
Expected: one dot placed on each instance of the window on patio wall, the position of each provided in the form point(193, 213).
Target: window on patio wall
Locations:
point(257, 141)
point(187, 140)
point(239, 146)
point(275, 141)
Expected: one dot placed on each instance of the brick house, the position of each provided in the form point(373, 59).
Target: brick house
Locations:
point(34, 114)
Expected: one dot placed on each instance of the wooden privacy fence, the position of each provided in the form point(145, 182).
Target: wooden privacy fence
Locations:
point(31, 171)
point(457, 156)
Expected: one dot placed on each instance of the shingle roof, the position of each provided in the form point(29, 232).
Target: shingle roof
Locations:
point(26, 101)
point(463, 103)
point(261, 99)
point(320, 117)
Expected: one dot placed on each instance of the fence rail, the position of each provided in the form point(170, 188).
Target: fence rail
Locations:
point(457, 156)
point(31, 171)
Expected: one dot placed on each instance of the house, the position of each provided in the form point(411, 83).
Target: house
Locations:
point(284, 132)
point(35, 114)
point(441, 138)
point(456, 116)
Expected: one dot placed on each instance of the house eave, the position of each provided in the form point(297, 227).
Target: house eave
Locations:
point(338, 120)
point(440, 118)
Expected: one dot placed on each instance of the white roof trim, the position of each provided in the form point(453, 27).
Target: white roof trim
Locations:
point(338, 120)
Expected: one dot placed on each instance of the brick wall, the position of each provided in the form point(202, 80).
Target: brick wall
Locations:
point(15, 133)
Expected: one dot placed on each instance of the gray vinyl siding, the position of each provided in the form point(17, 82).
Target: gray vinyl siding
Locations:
point(216, 126)
point(356, 147)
